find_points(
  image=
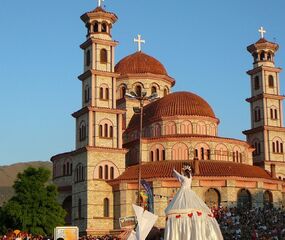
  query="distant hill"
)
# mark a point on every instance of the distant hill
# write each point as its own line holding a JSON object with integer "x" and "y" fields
{"x": 9, "y": 173}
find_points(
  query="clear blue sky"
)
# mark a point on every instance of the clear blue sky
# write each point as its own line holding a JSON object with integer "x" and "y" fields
{"x": 202, "y": 44}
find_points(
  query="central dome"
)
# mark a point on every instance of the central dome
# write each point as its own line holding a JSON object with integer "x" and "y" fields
{"x": 140, "y": 62}
{"x": 174, "y": 104}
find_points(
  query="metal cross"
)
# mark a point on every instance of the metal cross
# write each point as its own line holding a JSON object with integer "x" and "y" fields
{"x": 100, "y": 2}
{"x": 139, "y": 41}
{"x": 262, "y": 31}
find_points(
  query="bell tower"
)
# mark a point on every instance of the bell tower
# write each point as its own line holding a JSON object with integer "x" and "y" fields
{"x": 99, "y": 155}
{"x": 98, "y": 84}
{"x": 267, "y": 134}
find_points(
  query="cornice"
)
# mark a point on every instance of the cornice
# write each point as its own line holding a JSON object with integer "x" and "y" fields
{"x": 91, "y": 72}
{"x": 266, "y": 68}
{"x": 91, "y": 40}
{"x": 96, "y": 109}
{"x": 265, "y": 95}
{"x": 152, "y": 76}
{"x": 86, "y": 149}
{"x": 202, "y": 178}
{"x": 263, "y": 128}
{"x": 179, "y": 137}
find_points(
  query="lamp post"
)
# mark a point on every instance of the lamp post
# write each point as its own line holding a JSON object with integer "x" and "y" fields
{"x": 139, "y": 110}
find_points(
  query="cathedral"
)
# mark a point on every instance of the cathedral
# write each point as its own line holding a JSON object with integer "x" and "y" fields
{"x": 132, "y": 127}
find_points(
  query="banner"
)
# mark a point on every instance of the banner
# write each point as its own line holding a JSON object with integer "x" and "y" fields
{"x": 147, "y": 187}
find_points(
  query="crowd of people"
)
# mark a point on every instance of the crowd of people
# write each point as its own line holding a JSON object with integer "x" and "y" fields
{"x": 266, "y": 223}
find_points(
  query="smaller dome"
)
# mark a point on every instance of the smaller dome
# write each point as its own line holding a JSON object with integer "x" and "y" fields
{"x": 140, "y": 62}
{"x": 174, "y": 104}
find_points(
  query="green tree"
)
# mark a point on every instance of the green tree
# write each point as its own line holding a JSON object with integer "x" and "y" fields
{"x": 34, "y": 208}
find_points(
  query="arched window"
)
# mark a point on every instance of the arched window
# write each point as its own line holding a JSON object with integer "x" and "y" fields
{"x": 104, "y": 27}
{"x": 105, "y": 130}
{"x": 112, "y": 172}
{"x": 151, "y": 156}
{"x": 256, "y": 83}
{"x": 100, "y": 172}
{"x": 269, "y": 56}
{"x": 100, "y": 131}
{"x": 138, "y": 90}
{"x": 101, "y": 94}
{"x": 221, "y": 152}
{"x": 244, "y": 199}
{"x": 270, "y": 81}
{"x": 82, "y": 131}
{"x": 157, "y": 155}
{"x": 257, "y": 116}
{"x": 88, "y": 58}
{"x": 111, "y": 131}
{"x": 163, "y": 154}
{"x": 70, "y": 168}
{"x": 165, "y": 92}
{"x": 180, "y": 152}
{"x": 277, "y": 145}
{"x": 212, "y": 198}
{"x": 153, "y": 89}
{"x": 79, "y": 173}
{"x": 86, "y": 93}
{"x": 67, "y": 168}
{"x": 122, "y": 92}
{"x": 267, "y": 198}
{"x": 106, "y": 207}
{"x": 79, "y": 209}
{"x": 106, "y": 172}
{"x": 275, "y": 114}
{"x": 262, "y": 56}
{"x": 64, "y": 173}
{"x": 106, "y": 93}
{"x": 202, "y": 153}
{"x": 96, "y": 27}
{"x": 103, "y": 56}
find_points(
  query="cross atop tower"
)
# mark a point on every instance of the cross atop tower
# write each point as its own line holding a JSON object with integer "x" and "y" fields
{"x": 100, "y": 2}
{"x": 262, "y": 31}
{"x": 139, "y": 41}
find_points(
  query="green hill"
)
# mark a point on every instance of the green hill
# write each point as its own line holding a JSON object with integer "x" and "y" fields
{"x": 9, "y": 173}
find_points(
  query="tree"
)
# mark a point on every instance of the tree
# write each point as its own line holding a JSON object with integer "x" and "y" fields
{"x": 34, "y": 208}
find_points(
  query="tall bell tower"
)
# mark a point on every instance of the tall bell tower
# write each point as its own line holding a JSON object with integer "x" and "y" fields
{"x": 99, "y": 155}
{"x": 267, "y": 134}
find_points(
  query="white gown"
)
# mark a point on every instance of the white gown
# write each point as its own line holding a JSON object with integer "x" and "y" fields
{"x": 188, "y": 217}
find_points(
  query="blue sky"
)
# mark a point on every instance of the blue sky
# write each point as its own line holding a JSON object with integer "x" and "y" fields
{"x": 201, "y": 43}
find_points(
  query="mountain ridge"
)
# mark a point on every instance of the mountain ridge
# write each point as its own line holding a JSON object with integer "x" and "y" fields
{"x": 8, "y": 174}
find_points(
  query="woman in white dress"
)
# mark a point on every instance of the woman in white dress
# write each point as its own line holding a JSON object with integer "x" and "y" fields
{"x": 187, "y": 216}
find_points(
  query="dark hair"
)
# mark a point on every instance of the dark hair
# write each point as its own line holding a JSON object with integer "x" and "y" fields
{"x": 188, "y": 173}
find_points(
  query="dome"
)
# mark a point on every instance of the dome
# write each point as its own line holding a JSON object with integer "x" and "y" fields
{"x": 140, "y": 62}
{"x": 174, "y": 104}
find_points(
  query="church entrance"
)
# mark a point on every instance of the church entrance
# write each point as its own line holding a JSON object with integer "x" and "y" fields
{"x": 212, "y": 198}
{"x": 67, "y": 206}
{"x": 267, "y": 198}
{"x": 244, "y": 199}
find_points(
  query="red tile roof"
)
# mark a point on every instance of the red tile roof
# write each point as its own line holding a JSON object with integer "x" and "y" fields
{"x": 174, "y": 104}
{"x": 208, "y": 168}
{"x": 99, "y": 10}
{"x": 140, "y": 62}
{"x": 262, "y": 43}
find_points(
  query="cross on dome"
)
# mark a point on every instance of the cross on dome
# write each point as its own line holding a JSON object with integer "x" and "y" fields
{"x": 139, "y": 41}
{"x": 262, "y": 31}
{"x": 100, "y": 2}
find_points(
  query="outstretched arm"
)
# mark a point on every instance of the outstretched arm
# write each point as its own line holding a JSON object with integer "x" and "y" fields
{"x": 178, "y": 176}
